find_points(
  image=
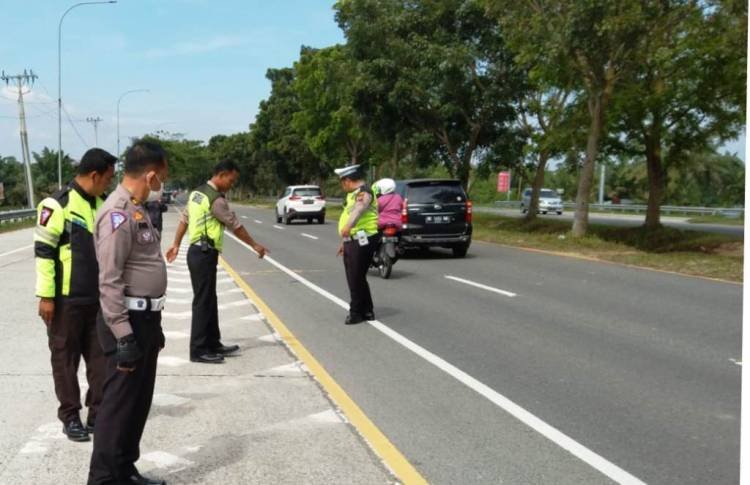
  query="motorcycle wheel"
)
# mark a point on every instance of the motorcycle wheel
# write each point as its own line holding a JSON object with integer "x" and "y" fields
{"x": 386, "y": 265}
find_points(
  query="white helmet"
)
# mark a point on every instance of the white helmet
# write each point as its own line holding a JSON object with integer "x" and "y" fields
{"x": 385, "y": 186}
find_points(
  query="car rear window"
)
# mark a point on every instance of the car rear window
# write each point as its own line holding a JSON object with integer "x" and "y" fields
{"x": 307, "y": 192}
{"x": 441, "y": 192}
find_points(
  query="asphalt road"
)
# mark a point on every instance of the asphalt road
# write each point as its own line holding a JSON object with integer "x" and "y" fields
{"x": 627, "y": 220}
{"x": 634, "y": 371}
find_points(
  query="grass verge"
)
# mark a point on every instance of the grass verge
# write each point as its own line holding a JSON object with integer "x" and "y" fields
{"x": 729, "y": 221}
{"x": 14, "y": 226}
{"x": 689, "y": 252}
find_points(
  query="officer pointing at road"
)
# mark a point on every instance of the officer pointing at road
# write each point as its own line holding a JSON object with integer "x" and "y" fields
{"x": 206, "y": 216}
{"x": 67, "y": 284}
{"x": 358, "y": 228}
{"x": 133, "y": 280}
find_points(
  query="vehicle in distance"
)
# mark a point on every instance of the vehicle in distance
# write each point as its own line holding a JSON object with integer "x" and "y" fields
{"x": 436, "y": 213}
{"x": 301, "y": 202}
{"x": 549, "y": 201}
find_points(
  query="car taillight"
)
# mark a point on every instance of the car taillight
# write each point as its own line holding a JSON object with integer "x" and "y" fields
{"x": 468, "y": 211}
{"x": 321, "y": 197}
{"x": 404, "y": 212}
{"x": 390, "y": 231}
{"x": 295, "y": 197}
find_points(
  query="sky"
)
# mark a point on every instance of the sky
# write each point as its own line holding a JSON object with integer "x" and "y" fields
{"x": 203, "y": 62}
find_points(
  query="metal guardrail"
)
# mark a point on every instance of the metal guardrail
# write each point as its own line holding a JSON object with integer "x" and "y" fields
{"x": 17, "y": 215}
{"x": 640, "y": 208}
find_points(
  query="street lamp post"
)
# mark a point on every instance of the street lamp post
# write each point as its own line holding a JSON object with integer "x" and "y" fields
{"x": 118, "y": 114}
{"x": 59, "y": 86}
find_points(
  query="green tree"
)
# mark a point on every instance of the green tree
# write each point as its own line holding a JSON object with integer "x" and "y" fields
{"x": 444, "y": 68}
{"x": 44, "y": 171}
{"x": 325, "y": 83}
{"x": 687, "y": 92}
{"x": 14, "y": 182}
{"x": 279, "y": 149}
{"x": 592, "y": 42}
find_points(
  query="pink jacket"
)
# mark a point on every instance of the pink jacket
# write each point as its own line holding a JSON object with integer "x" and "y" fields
{"x": 389, "y": 210}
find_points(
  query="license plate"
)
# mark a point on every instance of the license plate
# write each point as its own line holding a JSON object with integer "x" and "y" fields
{"x": 307, "y": 201}
{"x": 437, "y": 219}
{"x": 390, "y": 239}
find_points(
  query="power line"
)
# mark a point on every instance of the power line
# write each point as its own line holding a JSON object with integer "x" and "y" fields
{"x": 70, "y": 121}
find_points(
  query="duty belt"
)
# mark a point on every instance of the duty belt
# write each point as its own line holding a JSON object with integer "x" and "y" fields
{"x": 144, "y": 304}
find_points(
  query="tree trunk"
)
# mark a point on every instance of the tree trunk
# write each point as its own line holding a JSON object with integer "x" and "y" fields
{"x": 655, "y": 175}
{"x": 537, "y": 186}
{"x": 586, "y": 177}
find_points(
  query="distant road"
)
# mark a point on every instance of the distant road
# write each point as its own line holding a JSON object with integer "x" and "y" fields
{"x": 627, "y": 220}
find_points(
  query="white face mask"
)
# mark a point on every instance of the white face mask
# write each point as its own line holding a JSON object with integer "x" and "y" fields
{"x": 155, "y": 195}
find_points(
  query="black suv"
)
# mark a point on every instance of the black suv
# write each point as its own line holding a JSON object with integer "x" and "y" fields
{"x": 436, "y": 213}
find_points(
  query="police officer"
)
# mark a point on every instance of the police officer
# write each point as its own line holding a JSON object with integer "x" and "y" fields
{"x": 358, "y": 228}
{"x": 205, "y": 218}
{"x": 68, "y": 287}
{"x": 133, "y": 280}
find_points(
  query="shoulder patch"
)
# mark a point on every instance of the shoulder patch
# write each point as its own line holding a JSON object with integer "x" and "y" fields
{"x": 117, "y": 219}
{"x": 45, "y": 215}
{"x": 197, "y": 198}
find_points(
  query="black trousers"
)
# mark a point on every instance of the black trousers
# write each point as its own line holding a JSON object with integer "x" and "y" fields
{"x": 126, "y": 403}
{"x": 204, "y": 330}
{"x": 72, "y": 335}
{"x": 356, "y": 263}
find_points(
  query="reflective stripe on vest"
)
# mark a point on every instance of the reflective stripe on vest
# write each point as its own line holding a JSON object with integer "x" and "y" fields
{"x": 64, "y": 247}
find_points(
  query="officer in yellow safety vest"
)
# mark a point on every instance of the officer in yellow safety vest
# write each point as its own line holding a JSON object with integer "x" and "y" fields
{"x": 358, "y": 228}
{"x": 205, "y": 218}
{"x": 67, "y": 284}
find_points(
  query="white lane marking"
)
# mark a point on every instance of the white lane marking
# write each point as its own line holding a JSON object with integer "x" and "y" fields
{"x": 567, "y": 443}
{"x": 169, "y": 400}
{"x": 256, "y": 317}
{"x": 278, "y": 227}
{"x": 17, "y": 250}
{"x": 188, "y": 313}
{"x": 270, "y": 338}
{"x": 736, "y": 362}
{"x": 294, "y": 369}
{"x": 257, "y": 221}
{"x": 174, "y": 334}
{"x": 170, "y": 361}
{"x": 308, "y": 235}
{"x": 328, "y": 416}
{"x": 171, "y": 289}
{"x": 480, "y": 285}
{"x": 38, "y": 444}
{"x": 162, "y": 459}
{"x": 244, "y": 217}
{"x": 226, "y": 279}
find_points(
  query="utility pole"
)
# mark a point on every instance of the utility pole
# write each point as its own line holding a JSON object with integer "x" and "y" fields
{"x": 20, "y": 81}
{"x": 601, "y": 184}
{"x": 95, "y": 122}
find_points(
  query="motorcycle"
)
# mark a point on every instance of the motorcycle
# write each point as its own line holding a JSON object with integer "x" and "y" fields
{"x": 386, "y": 255}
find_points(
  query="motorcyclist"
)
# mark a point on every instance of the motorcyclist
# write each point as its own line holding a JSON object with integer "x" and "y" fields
{"x": 390, "y": 203}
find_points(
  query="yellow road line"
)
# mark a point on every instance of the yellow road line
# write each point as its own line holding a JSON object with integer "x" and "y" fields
{"x": 390, "y": 455}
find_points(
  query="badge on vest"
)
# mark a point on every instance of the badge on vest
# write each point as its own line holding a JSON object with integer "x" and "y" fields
{"x": 145, "y": 236}
{"x": 117, "y": 219}
{"x": 45, "y": 215}
{"x": 197, "y": 198}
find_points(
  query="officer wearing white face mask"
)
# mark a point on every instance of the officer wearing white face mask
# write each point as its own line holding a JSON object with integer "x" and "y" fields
{"x": 132, "y": 283}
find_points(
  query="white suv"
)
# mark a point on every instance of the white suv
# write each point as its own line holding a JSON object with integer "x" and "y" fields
{"x": 301, "y": 202}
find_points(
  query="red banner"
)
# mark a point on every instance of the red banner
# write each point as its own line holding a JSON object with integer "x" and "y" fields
{"x": 503, "y": 181}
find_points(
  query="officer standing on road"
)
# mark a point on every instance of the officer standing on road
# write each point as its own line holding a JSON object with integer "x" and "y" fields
{"x": 358, "y": 228}
{"x": 133, "y": 280}
{"x": 205, "y": 218}
{"x": 67, "y": 284}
